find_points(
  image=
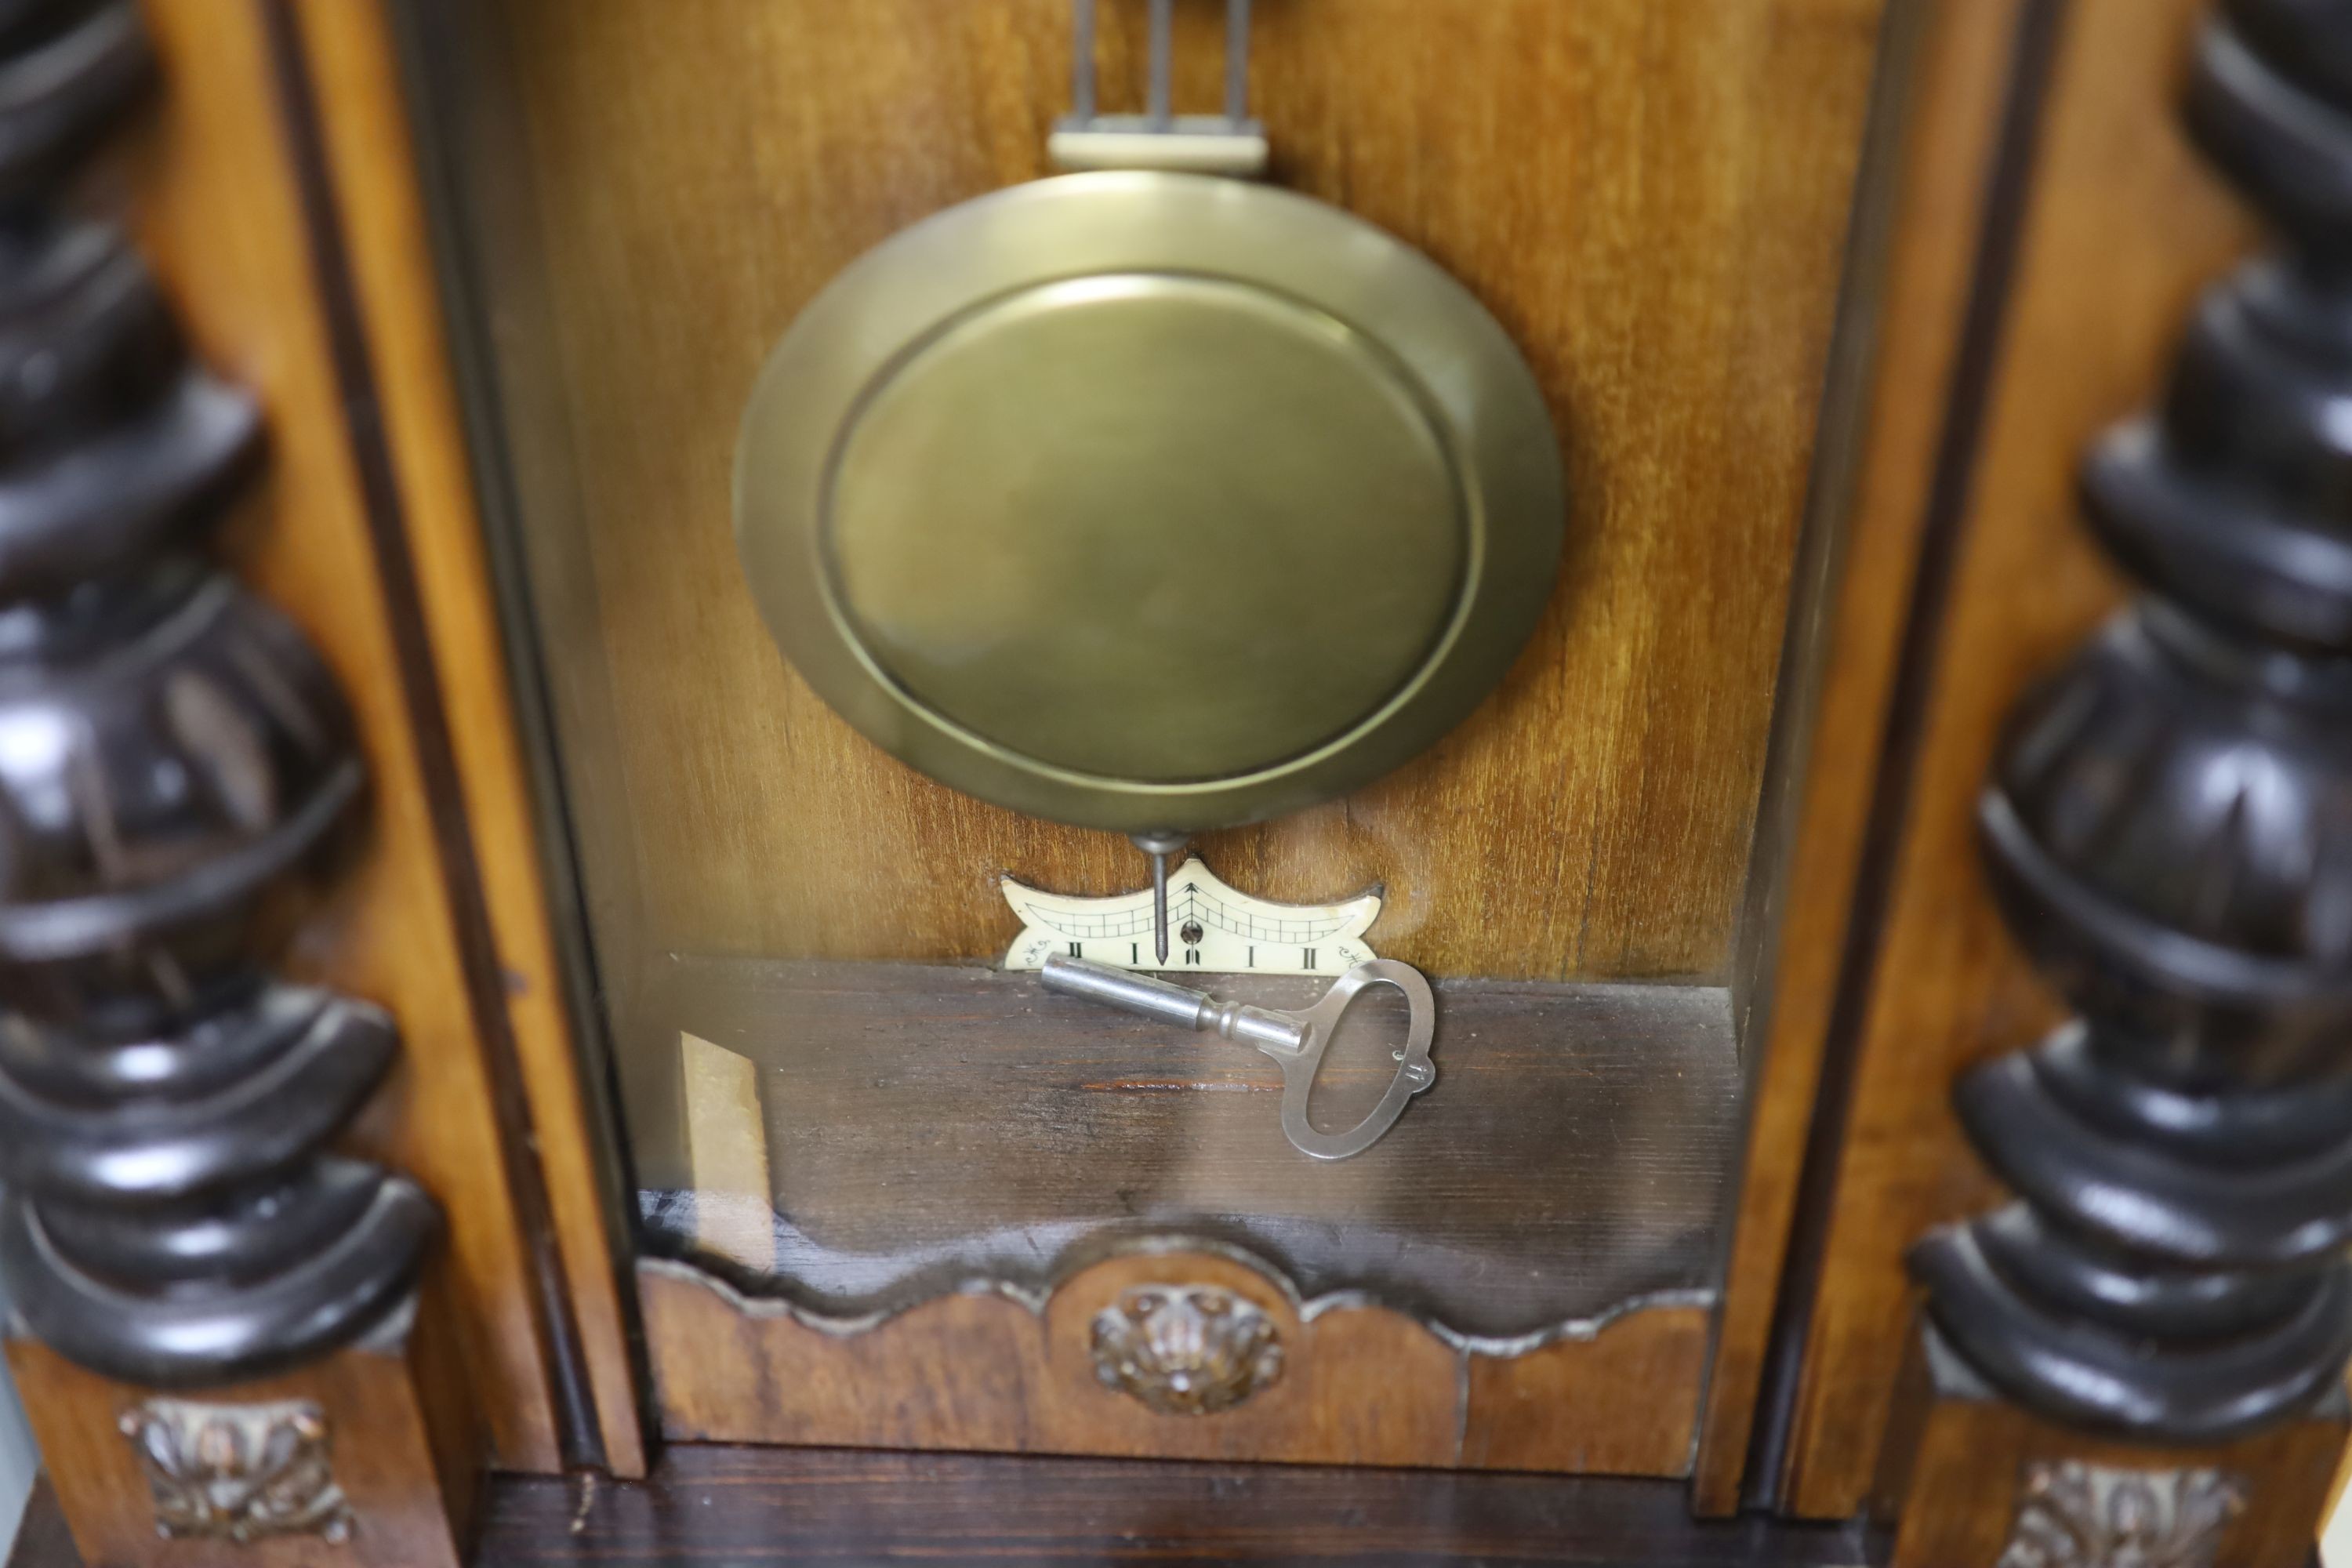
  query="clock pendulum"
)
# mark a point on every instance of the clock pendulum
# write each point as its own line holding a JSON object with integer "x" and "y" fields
{"x": 1150, "y": 498}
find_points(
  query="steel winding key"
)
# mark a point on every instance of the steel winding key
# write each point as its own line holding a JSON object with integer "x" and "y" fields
{"x": 1295, "y": 1040}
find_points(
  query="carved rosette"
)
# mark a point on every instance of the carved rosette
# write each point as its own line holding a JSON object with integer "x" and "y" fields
{"x": 172, "y": 758}
{"x": 2168, "y": 830}
{"x": 1185, "y": 1350}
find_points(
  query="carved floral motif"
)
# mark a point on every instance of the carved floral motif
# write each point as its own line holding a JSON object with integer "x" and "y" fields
{"x": 1185, "y": 1350}
{"x": 2091, "y": 1516}
{"x": 239, "y": 1472}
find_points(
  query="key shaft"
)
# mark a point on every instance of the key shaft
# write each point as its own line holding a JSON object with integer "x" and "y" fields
{"x": 1177, "y": 1004}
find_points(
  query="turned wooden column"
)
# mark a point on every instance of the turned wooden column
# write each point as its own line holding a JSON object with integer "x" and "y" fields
{"x": 2142, "y": 1359}
{"x": 208, "y": 1303}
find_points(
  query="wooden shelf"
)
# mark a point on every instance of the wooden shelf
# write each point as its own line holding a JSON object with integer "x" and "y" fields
{"x": 928, "y": 1125}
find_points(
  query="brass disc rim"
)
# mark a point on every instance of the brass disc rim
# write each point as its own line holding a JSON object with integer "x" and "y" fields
{"x": 1478, "y": 390}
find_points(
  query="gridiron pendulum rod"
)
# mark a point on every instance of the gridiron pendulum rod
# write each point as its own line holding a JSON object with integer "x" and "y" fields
{"x": 1082, "y": 56}
{"x": 1228, "y": 143}
{"x": 1237, "y": 58}
{"x": 1163, "y": 70}
{"x": 1086, "y": 102}
{"x": 1159, "y": 847}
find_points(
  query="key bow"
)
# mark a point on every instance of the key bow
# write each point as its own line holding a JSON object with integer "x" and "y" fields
{"x": 1296, "y": 1041}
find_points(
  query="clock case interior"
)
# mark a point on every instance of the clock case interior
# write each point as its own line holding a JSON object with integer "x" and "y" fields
{"x": 785, "y": 945}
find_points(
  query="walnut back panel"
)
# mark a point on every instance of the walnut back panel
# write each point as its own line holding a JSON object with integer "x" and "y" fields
{"x": 1652, "y": 197}
{"x": 1350, "y": 1382}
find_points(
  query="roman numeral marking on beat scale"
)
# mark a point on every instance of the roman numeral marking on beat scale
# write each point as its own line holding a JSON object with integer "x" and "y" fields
{"x": 1212, "y": 928}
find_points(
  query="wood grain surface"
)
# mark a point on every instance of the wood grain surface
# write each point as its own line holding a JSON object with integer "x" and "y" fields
{"x": 926, "y": 1125}
{"x": 214, "y": 196}
{"x": 1612, "y": 1405}
{"x": 766, "y": 1508}
{"x": 1361, "y": 1385}
{"x": 2124, "y": 228}
{"x": 365, "y": 123}
{"x": 1651, "y": 195}
{"x": 773, "y": 1506}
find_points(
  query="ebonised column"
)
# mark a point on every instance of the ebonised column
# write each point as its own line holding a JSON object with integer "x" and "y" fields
{"x": 2169, "y": 829}
{"x": 173, "y": 758}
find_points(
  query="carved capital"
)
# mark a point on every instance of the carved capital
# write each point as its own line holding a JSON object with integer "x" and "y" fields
{"x": 239, "y": 1472}
{"x": 2074, "y": 1515}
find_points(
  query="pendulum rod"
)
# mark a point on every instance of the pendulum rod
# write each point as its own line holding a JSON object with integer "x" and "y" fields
{"x": 1237, "y": 58}
{"x": 1226, "y": 143}
{"x": 1163, "y": 64}
{"x": 1083, "y": 106}
{"x": 1160, "y": 846}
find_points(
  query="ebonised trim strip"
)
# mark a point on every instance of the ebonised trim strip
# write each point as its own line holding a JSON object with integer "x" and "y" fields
{"x": 579, "y": 1435}
{"x": 2008, "y": 199}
